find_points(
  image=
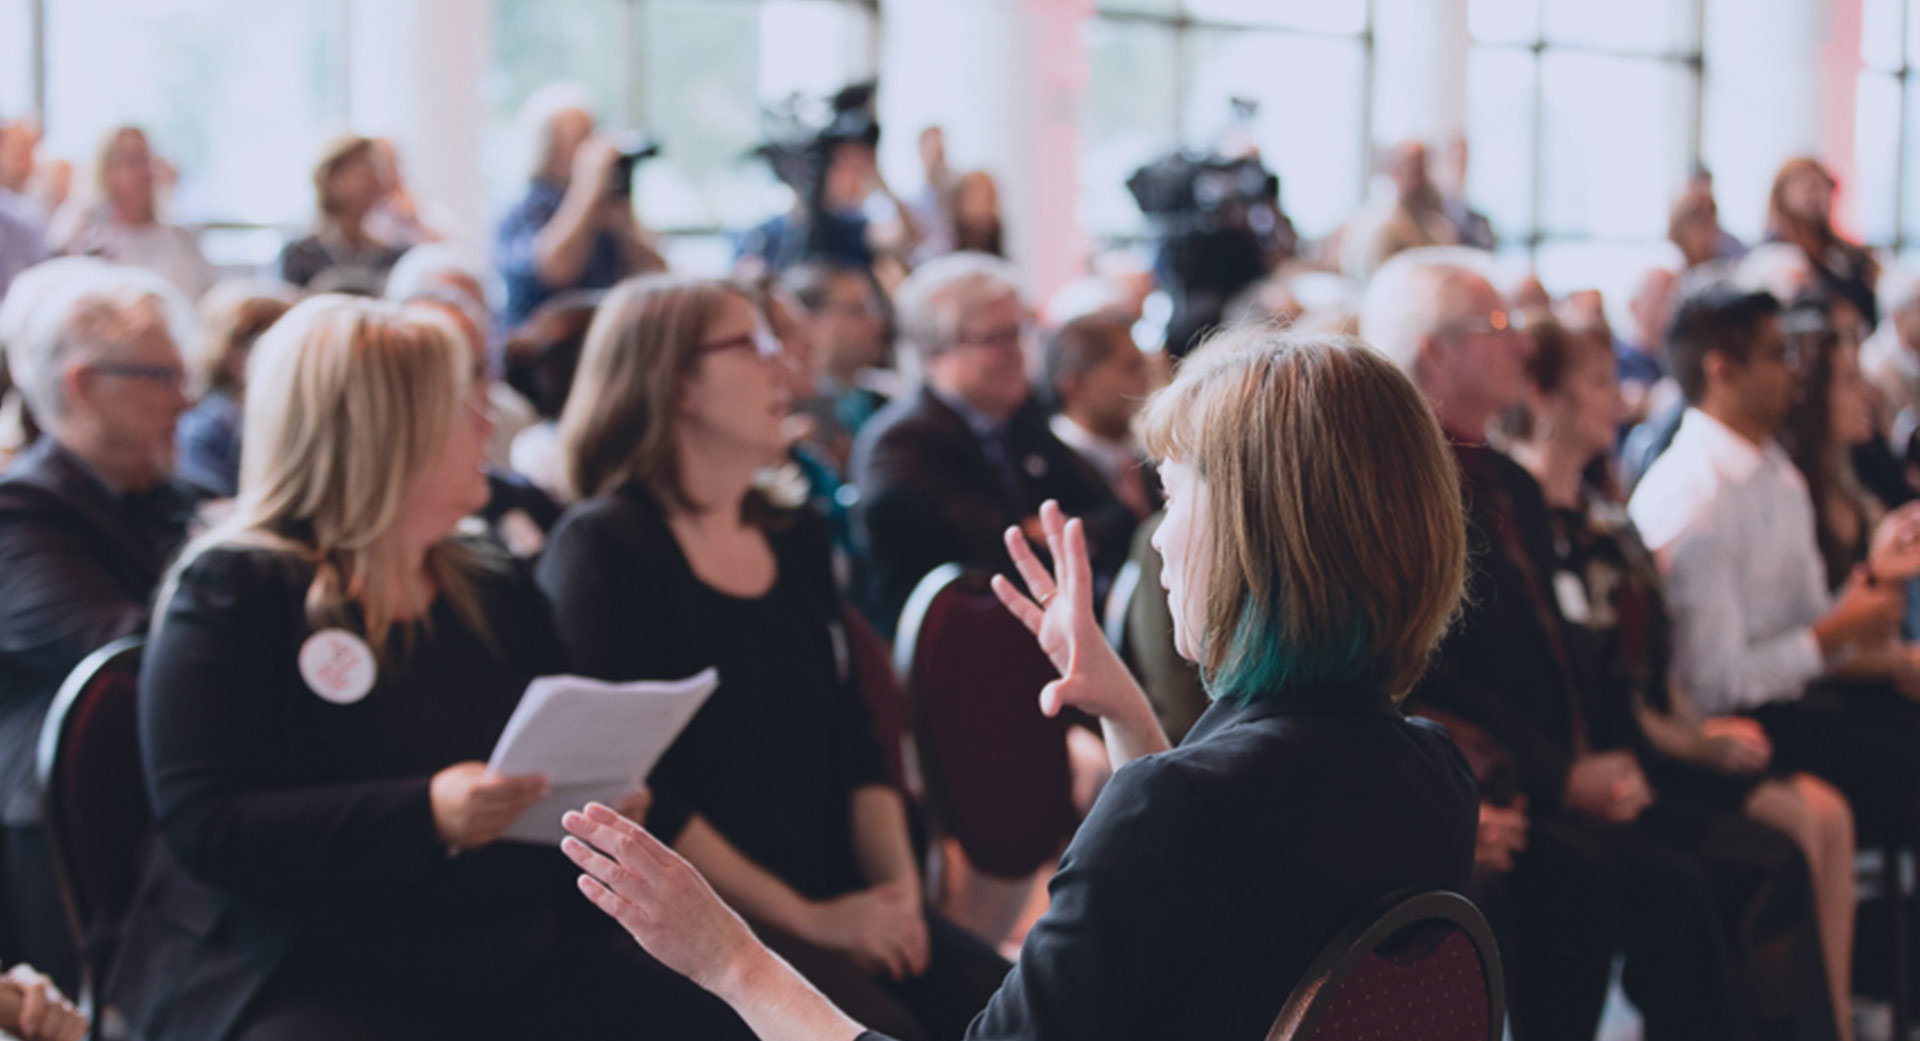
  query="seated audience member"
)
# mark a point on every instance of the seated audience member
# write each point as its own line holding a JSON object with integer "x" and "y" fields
{"x": 1761, "y": 639}
{"x": 125, "y": 225}
{"x": 677, "y": 559}
{"x": 342, "y": 255}
{"x": 943, "y": 471}
{"x": 18, "y": 430}
{"x": 396, "y": 218}
{"x": 232, "y": 316}
{"x": 1413, "y": 216}
{"x": 849, "y": 324}
{"x": 23, "y": 235}
{"x": 1890, "y": 359}
{"x": 1693, "y": 226}
{"x": 1471, "y": 227}
{"x": 575, "y": 228}
{"x": 1800, "y": 214}
{"x": 33, "y": 1009}
{"x": 1607, "y": 864}
{"x": 330, "y": 824}
{"x": 1609, "y": 590}
{"x": 1183, "y": 907}
{"x": 1640, "y": 353}
{"x": 88, "y": 520}
{"x": 833, "y": 227}
{"x": 1097, "y": 380}
{"x": 541, "y": 358}
{"x": 432, "y": 266}
{"x": 975, "y": 211}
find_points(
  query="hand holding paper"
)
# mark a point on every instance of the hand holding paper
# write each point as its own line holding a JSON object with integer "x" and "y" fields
{"x": 591, "y": 740}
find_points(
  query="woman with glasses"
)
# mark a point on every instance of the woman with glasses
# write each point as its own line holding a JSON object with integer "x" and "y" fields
{"x": 688, "y": 551}
{"x": 1316, "y": 549}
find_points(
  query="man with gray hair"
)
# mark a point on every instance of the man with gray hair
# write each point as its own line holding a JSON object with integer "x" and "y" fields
{"x": 1608, "y": 862}
{"x": 1890, "y": 359}
{"x": 89, "y": 517}
{"x": 942, "y": 472}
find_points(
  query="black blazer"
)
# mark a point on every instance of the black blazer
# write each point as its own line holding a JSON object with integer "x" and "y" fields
{"x": 929, "y": 496}
{"x": 78, "y": 567}
{"x": 291, "y": 827}
{"x": 1207, "y": 878}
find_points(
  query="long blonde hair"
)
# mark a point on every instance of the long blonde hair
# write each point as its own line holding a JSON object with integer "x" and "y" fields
{"x": 349, "y": 402}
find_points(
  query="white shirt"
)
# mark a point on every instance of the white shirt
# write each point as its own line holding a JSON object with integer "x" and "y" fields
{"x": 1734, "y": 526}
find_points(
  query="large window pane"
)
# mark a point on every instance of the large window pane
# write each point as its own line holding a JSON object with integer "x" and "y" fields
{"x": 1504, "y": 21}
{"x": 1651, "y": 26}
{"x": 1315, "y": 148}
{"x": 1611, "y": 267}
{"x": 1876, "y": 155}
{"x": 1881, "y": 39}
{"x": 1616, "y": 143}
{"x": 241, "y": 123}
{"x": 1159, "y": 7}
{"x": 16, "y": 58}
{"x": 1910, "y": 174}
{"x": 1308, "y": 15}
{"x": 701, "y": 73}
{"x": 1500, "y": 98}
{"x": 1130, "y": 117}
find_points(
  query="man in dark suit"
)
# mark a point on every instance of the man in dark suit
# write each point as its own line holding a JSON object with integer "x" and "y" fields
{"x": 944, "y": 471}
{"x": 88, "y": 520}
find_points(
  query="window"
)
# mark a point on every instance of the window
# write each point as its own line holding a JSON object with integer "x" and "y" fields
{"x": 235, "y": 94}
{"x": 1886, "y": 201}
{"x": 1582, "y": 125}
{"x": 693, "y": 73}
{"x": 17, "y": 44}
{"x": 1164, "y": 74}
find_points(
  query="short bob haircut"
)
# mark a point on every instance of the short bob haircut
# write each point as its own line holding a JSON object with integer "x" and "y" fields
{"x": 1338, "y": 537}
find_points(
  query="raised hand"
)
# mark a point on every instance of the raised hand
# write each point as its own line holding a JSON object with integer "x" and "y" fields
{"x": 1895, "y": 552}
{"x": 472, "y": 805}
{"x": 1059, "y": 613}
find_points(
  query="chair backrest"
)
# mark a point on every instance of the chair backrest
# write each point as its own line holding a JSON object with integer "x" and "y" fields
{"x": 873, "y": 669}
{"x": 1422, "y": 967}
{"x": 995, "y": 768}
{"x": 94, "y": 794}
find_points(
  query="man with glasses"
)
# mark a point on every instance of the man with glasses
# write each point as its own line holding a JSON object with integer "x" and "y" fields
{"x": 942, "y": 472}
{"x": 89, "y": 517}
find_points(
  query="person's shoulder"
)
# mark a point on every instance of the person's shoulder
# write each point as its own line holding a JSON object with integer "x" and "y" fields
{"x": 1677, "y": 495}
{"x": 623, "y": 520}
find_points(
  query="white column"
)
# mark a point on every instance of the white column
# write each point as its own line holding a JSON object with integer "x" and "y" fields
{"x": 416, "y": 73}
{"x": 1420, "y": 71}
{"x": 1005, "y": 79}
{"x": 1780, "y": 81}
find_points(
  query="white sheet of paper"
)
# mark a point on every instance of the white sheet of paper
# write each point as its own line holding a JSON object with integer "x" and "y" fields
{"x": 592, "y": 740}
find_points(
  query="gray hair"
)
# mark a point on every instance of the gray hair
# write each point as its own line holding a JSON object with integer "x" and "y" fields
{"x": 934, "y": 300}
{"x": 535, "y": 120}
{"x": 418, "y": 268}
{"x": 80, "y": 311}
{"x": 1413, "y": 295}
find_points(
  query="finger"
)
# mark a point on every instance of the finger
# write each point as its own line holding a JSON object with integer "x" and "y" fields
{"x": 604, "y": 869}
{"x": 1051, "y": 700}
{"x": 631, "y": 838}
{"x": 1032, "y": 572}
{"x": 1028, "y": 612}
{"x": 1053, "y": 522}
{"x": 613, "y": 904}
{"x": 33, "y": 1006}
{"x": 1078, "y": 576}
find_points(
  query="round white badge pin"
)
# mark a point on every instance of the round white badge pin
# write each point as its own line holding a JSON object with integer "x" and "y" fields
{"x": 338, "y": 666}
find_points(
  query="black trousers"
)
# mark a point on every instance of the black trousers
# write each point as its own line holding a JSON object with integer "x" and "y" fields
{"x": 1865, "y": 740}
{"x": 33, "y": 927}
{"x": 1712, "y": 913}
{"x": 935, "y": 1006}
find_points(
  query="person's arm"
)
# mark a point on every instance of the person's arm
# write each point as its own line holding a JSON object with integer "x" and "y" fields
{"x": 563, "y": 245}
{"x": 1712, "y": 657}
{"x": 639, "y": 251}
{"x": 1061, "y": 616}
{"x": 58, "y": 600}
{"x": 910, "y": 513}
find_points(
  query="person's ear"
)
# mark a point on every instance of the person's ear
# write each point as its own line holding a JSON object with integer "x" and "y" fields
{"x": 76, "y": 383}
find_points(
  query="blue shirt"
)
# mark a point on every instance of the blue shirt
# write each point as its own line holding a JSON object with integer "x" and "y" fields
{"x": 23, "y": 242}
{"x": 782, "y": 242}
{"x": 513, "y": 248}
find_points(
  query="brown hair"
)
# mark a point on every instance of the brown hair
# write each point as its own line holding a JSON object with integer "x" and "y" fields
{"x": 644, "y": 344}
{"x": 233, "y": 315}
{"x": 1339, "y": 547}
{"x": 338, "y": 152}
{"x": 1556, "y": 347}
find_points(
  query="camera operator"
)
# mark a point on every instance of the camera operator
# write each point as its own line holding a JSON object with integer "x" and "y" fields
{"x": 833, "y": 172}
{"x": 575, "y": 228}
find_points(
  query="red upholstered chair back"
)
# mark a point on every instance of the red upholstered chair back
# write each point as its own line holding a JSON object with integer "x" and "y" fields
{"x": 1416, "y": 968}
{"x": 873, "y": 666}
{"x": 996, "y": 769}
{"x": 95, "y": 796}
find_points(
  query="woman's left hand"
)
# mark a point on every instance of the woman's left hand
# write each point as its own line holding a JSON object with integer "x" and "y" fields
{"x": 659, "y": 898}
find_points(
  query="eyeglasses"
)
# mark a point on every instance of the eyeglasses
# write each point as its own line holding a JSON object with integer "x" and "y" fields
{"x": 171, "y": 377}
{"x": 1003, "y": 338}
{"x": 761, "y": 342}
{"x": 1497, "y": 323}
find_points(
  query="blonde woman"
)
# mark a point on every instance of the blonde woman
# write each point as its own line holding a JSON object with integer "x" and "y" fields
{"x": 124, "y": 224}
{"x": 681, "y": 556}
{"x": 328, "y": 670}
{"x": 1315, "y": 551}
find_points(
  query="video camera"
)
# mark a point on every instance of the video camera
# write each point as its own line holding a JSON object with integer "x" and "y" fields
{"x": 802, "y": 133}
{"x": 1189, "y": 190}
{"x": 636, "y": 146}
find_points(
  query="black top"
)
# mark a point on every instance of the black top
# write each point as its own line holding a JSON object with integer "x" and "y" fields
{"x": 325, "y": 263}
{"x": 1207, "y": 879}
{"x": 930, "y": 495}
{"x": 78, "y": 566}
{"x": 773, "y": 758}
{"x": 290, "y": 825}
